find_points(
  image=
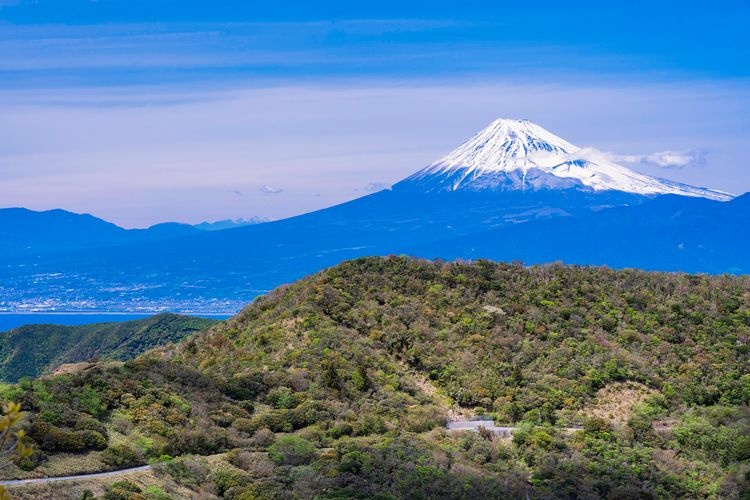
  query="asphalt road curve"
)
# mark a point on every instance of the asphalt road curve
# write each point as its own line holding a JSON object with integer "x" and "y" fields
{"x": 81, "y": 477}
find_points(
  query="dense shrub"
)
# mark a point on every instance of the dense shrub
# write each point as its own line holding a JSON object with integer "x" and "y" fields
{"x": 121, "y": 456}
{"x": 245, "y": 386}
{"x": 710, "y": 436}
{"x": 225, "y": 479}
{"x": 281, "y": 397}
{"x": 424, "y": 418}
{"x": 51, "y": 438}
{"x": 188, "y": 471}
{"x": 91, "y": 425}
{"x": 245, "y": 425}
{"x": 263, "y": 437}
{"x": 291, "y": 450}
{"x": 122, "y": 490}
{"x": 199, "y": 441}
{"x": 596, "y": 425}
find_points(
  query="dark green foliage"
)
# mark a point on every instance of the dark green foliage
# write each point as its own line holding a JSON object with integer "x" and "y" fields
{"x": 91, "y": 424}
{"x": 225, "y": 480}
{"x": 283, "y": 397}
{"x": 36, "y": 458}
{"x": 121, "y": 456}
{"x": 51, "y": 438}
{"x": 360, "y": 379}
{"x": 29, "y": 351}
{"x": 199, "y": 441}
{"x": 596, "y": 426}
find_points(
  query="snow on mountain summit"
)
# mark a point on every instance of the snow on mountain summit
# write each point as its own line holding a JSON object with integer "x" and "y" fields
{"x": 506, "y": 145}
{"x": 518, "y": 154}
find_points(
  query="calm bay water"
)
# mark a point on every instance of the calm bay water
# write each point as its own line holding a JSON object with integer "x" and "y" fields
{"x": 12, "y": 320}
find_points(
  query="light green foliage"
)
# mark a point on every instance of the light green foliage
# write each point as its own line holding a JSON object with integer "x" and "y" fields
{"x": 291, "y": 450}
{"x": 718, "y": 433}
{"x": 155, "y": 493}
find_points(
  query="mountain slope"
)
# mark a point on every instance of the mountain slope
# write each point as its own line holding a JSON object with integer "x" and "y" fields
{"x": 519, "y": 154}
{"x": 31, "y": 350}
{"x": 670, "y": 233}
{"x": 336, "y": 386}
{"x": 25, "y": 231}
{"x": 29, "y": 233}
{"x": 221, "y": 270}
{"x": 237, "y": 264}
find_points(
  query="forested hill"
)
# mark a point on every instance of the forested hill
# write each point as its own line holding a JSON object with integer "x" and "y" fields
{"x": 482, "y": 329}
{"x": 31, "y": 350}
{"x": 340, "y": 385}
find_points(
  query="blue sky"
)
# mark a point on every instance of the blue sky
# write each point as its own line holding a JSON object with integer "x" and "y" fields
{"x": 144, "y": 111}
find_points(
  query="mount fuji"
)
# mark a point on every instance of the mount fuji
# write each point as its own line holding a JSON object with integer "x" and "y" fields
{"x": 521, "y": 155}
{"x": 514, "y": 191}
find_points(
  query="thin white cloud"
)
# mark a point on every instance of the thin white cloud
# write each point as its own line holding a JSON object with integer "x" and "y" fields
{"x": 372, "y": 187}
{"x": 661, "y": 159}
{"x": 676, "y": 159}
{"x": 266, "y": 189}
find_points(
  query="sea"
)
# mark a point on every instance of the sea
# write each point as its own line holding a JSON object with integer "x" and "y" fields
{"x": 12, "y": 320}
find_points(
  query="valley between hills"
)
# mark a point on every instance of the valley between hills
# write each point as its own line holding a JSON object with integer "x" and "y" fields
{"x": 340, "y": 385}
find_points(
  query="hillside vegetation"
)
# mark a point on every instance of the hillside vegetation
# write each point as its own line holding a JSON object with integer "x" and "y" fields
{"x": 31, "y": 350}
{"x": 339, "y": 386}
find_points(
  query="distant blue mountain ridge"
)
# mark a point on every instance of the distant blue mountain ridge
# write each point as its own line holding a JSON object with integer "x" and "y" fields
{"x": 29, "y": 232}
{"x": 483, "y": 205}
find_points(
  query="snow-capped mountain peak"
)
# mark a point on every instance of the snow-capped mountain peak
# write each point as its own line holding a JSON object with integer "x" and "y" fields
{"x": 519, "y": 154}
{"x": 507, "y": 145}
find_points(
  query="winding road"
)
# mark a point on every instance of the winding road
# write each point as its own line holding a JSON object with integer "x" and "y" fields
{"x": 475, "y": 425}
{"x": 81, "y": 477}
{"x": 456, "y": 425}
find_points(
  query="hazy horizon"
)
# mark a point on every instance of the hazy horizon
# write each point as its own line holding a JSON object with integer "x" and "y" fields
{"x": 139, "y": 112}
